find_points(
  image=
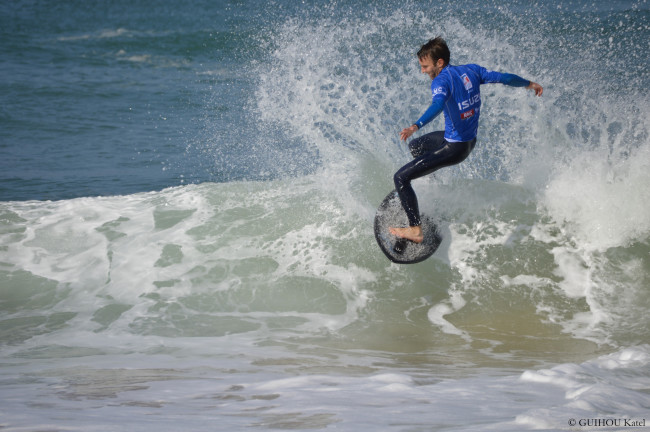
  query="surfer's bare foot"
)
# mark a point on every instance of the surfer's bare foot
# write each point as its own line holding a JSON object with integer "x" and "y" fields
{"x": 413, "y": 233}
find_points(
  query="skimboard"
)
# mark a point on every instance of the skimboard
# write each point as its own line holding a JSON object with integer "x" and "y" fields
{"x": 391, "y": 214}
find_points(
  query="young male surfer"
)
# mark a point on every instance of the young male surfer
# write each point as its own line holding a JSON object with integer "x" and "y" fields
{"x": 456, "y": 92}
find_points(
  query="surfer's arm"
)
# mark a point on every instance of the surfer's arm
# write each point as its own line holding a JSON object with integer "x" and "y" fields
{"x": 407, "y": 132}
{"x": 511, "y": 80}
{"x": 432, "y": 112}
{"x": 517, "y": 81}
{"x": 538, "y": 89}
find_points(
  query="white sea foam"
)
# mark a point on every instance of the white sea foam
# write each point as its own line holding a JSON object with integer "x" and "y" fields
{"x": 604, "y": 203}
{"x": 613, "y": 386}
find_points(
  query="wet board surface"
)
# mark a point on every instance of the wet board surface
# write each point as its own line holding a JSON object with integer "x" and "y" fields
{"x": 391, "y": 214}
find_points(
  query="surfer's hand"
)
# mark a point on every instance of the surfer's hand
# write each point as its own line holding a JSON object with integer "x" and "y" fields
{"x": 536, "y": 88}
{"x": 407, "y": 132}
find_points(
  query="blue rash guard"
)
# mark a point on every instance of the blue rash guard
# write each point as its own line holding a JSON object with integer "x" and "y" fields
{"x": 456, "y": 92}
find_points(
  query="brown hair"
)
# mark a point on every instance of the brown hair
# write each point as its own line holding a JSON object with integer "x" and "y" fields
{"x": 435, "y": 49}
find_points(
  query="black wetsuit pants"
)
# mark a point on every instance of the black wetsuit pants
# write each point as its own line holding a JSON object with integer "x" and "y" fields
{"x": 431, "y": 152}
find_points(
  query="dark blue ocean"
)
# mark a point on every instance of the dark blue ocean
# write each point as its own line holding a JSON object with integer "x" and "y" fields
{"x": 187, "y": 191}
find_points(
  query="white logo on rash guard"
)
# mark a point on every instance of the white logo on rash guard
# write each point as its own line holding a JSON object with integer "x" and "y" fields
{"x": 439, "y": 90}
{"x": 469, "y": 102}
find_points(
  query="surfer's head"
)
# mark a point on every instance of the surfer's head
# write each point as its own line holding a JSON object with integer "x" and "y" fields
{"x": 434, "y": 56}
{"x": 435, "y": 49}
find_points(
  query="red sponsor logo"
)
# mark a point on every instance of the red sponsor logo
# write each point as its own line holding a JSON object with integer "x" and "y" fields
{"x": 467, "y": 114}
{"x": 466, "y": 82}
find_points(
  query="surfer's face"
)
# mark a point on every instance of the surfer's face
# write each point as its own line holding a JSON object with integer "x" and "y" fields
{"x": 430, "y": 67}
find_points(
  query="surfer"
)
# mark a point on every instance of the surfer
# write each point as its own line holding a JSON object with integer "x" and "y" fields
{"x": 455, "y": 92}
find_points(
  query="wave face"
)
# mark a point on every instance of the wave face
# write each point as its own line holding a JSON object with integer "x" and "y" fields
{"x": 256, "y": 295}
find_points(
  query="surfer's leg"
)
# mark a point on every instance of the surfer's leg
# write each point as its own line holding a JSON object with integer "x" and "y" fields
{"x": 418, "y": 167}
{"x": 436, "y": 156}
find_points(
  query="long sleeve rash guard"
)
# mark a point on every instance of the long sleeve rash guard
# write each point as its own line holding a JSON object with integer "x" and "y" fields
{"x": 456, "y": 92}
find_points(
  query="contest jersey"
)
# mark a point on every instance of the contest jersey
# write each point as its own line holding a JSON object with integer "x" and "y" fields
{"x": 456, "y": 92}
